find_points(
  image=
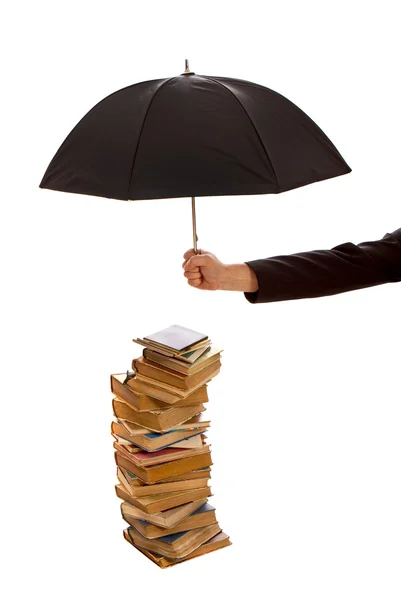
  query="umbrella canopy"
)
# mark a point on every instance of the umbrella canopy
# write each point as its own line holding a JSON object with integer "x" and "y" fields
{"x": 192, "y": 135}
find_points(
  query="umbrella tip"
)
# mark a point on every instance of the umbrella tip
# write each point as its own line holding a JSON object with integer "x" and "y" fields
{"x": 187, "y": 69}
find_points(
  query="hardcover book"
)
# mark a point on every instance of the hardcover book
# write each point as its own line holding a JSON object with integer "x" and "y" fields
{"x": 166, "y": 375}
{"x": 176, "y": 545}
{"x": 221, "y": 540}
{"x": 156, "y": 473}
{"x": 205, "y": 515}
{"x": 197, "y": 473}
{"x": 158, "y": 420}
{"x": 157, "y": 441}
{"x": 161, "y": 451}
{"x": 143, "y": 402}
{"x": 139, "y": 491}
{"x": 167, "y": 518}
{"x": 176, "y": 337}
{"x": 157, "y": 503}
{"x": 165, "y": 392}
{"x": 184, "y": 363}
{"x": 142, "y": 458}
{"x": 196, "y": 441}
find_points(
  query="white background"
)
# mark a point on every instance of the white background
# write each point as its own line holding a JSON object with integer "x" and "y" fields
{"x": 306, "y": 410}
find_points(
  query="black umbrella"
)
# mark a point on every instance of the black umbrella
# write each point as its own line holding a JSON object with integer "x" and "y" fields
{"x": 192, "y": 135}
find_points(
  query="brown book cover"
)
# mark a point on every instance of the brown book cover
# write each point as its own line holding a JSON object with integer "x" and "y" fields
{"x": 160, "y": 420}
{"x": 221, "y": 540}
{"x": 157, "y": 503}
{"x": 142, "y": 402}
{"x": 205, "y": 515}
{"x": 139, "y": 491}
{"x": 165, "y": 375}
{"x": 166, "y": 518}
{"x": 164, "y": 391}
{"x": 157, "y": 473}
{"x": 210, "y": 356}
{"x": 125, "y": 464}
{"x": 177, "y": 545}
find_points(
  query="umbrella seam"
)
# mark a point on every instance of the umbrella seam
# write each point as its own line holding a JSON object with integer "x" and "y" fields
{"x": 250, "y": 120}
{"x": 142, "y": 126}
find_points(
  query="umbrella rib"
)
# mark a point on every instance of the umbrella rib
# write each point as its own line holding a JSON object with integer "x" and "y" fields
{"x": 250, "y": 120}
{"x": 142, "y": 126}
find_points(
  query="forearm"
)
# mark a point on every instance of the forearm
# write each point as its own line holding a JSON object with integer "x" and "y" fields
{"x": 326, "y": 272}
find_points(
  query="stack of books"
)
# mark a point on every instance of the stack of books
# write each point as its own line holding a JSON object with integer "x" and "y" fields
{"x": 161, "y": 450}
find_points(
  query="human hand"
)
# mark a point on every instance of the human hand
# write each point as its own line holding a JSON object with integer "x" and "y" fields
{"x": 203, "y": 270}
{"x": 206, "y": 272}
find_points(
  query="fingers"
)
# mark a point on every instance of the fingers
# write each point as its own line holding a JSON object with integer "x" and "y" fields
{"x": 193, "y": 262}
{"x": 198, "y": 260}
{"x": 201, "y": 284}
{"x": 190, "y": 269}
{"x": 191, "y": 252}
{"x": 192, "y": 275}
{"x": 188, "y": 254}
{"x": 195, "y": 282}
{"x": 184, "y": 264}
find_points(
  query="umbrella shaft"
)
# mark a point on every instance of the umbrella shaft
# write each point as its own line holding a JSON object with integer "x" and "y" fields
{"x": 195, "y": 237}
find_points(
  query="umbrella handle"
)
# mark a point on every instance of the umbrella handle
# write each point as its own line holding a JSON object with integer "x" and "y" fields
{"x": 195, "y": 237}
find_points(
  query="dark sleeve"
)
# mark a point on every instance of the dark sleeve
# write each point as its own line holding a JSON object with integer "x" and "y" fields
{"x": 326, "y": 272}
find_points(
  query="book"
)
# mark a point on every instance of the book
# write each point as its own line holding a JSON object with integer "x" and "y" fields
{"x": 142, "y": 458}
{"x": 193, "y": 442}
{"x": 187, "y": 355}
{"x": 142, "y": 402}
{"x": 157, "y": 503}
{"x": 158, "y": 420}
{"x": 205, "y": 515}
{"x": 221, "y": 540}
{"x": 164, "y": 391}
{"x": 156, "y": 473}
{"x": 161, "y": 451}
{"x": 184, "y": 366}
{"x": 166, "y": 375}
{"x": 167, "y": 518}
{"x": 176, "y": 545}
{"x": 197, "y": 421}
{"x": 190, "y": 356}
{"x": 157, "y": 441}
{"x": 175, "y": 338}
{"x": 197, "y": 473}
{"x": 129, "y": 482}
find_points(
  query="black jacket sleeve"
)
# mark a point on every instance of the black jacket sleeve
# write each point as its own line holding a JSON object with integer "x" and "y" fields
{"x": 326, "y": 272}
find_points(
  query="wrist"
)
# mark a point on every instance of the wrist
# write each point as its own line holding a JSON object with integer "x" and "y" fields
{"x": 238, "y": 278}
